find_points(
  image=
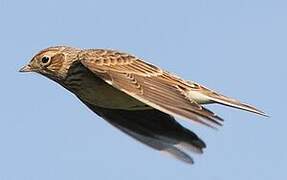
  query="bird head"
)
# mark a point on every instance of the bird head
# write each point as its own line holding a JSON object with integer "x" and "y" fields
{"x": 52, "y": 62}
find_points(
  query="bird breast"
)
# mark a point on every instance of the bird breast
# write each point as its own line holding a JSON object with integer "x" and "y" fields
{"x": 95, "y": 91}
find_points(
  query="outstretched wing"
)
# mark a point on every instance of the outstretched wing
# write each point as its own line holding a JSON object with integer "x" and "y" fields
{"x": 147, "y": 83}
{"x": 154, "y": 128}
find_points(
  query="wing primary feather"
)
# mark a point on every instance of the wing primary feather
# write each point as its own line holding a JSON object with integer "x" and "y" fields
{"x": 154, "y": 129}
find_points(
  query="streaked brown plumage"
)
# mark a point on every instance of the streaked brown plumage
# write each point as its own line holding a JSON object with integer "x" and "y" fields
{"x": 138, "y": 98}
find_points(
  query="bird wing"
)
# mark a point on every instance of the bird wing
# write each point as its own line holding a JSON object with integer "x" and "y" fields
{"x": 148, "y": 84}
{"x": 155, "y": 129}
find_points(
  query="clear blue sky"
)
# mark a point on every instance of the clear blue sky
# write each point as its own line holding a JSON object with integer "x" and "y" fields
{"x": 236, "y": 47}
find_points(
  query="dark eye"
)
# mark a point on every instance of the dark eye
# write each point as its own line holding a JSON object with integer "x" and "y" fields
{"x": 45, "y": 60}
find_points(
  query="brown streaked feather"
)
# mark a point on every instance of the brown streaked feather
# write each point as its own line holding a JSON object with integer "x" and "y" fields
{"x": 148, "y": 84}
{"x": 168, "y": 98}
{"x": 57, "y": 62}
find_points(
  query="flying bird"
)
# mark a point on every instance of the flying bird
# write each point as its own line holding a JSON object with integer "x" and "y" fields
{"x": 135, "y": 96}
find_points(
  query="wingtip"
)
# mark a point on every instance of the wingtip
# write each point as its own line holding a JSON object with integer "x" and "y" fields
{"x": 263, "y": 114}
{"x": 258, "y": 112}
{"x": 252, "y": 109}
{"x": 178, "y": 154}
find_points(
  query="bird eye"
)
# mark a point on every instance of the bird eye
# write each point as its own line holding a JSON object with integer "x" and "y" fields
{"x": 45, "y": 60}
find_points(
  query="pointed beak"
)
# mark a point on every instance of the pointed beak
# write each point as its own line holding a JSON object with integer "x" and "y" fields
{"x": 26, "y": 68}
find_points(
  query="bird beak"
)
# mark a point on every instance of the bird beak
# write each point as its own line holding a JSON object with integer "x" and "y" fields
{"x": 26, "y": 68}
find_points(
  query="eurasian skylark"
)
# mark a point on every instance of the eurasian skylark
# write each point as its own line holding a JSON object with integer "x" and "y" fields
{"x": 138, "y": 98}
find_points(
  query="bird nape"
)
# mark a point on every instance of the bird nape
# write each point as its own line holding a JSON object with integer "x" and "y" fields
{"x": 138, "y": 98}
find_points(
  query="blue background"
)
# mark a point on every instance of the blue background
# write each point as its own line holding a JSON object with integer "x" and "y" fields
{"x": 235, "y": 47}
